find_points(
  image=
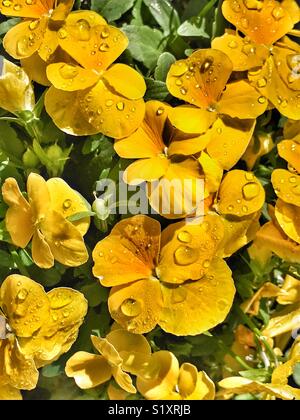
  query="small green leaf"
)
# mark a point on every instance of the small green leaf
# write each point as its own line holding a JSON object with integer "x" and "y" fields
{"x": 112, "y": 10}
{"x": 145, "y": 44}
{"x": 296, "y": 374}
{"x": 164, "y": 63}
{"x": 195, "y": 27}
{"x": 156, "y": 90}
{"x": 95, "y": 294}
{"x": 8, "y": 24}
{"x": 260, "y": 375}
{"x": 164, "y": 14}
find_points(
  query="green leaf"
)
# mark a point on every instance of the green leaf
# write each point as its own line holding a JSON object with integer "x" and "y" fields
{"x": 195, "y": 27}
{"x": 95, "y": 294}
{"x": 7, "y": 25}
{"x": 260, "y": 375}
{"x": 164, "y": 14}
{"x": 156, "y": 90}
{"x": 92, "y": 143}
{"x": 164, "y": 63}
{"x": 6, "y": 259}
{"x": 145, "y": 44}
{"x": 10, "y": 143}
{"x": 112, "y": 10}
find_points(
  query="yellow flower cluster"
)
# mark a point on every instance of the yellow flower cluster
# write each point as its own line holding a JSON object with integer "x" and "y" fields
{"x": 176, "y": 278}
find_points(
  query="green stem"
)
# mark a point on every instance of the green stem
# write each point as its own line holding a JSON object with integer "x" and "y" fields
{"x": 207, "y": 8}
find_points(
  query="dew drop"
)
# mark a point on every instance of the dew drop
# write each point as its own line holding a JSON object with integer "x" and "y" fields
{"x": 160, "y": 111}
{"x": 222, "y": 304}
{"x": 84, "y": 30}
{"x": 262, "y": 82}
{"x": 105, "y": 34}
{"x": 185, "y": 255}
{"x": 22, "y": 295}
{"x": 184, "y": 237}
{"x": 183, "y": 91}
{"x": 67, "y": 204}
{"x": 120, "y": 106}
{"x": 178, "y": 295}
{"x": 278, "y": 13}
{"x": 104, "y": 47}
{"x": 232, "y": 44}
{"x": 293, "y": 179}
{"x": 34, "y": 25}
{"x": 179, "y": 69}
{"x": 62, "y": 33}
{"x": 206, "y": 65}
{"x": 131, "y": 307}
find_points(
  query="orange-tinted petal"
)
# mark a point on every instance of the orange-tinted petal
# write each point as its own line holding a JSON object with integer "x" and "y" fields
{"x": 289, "y": 150}
{"x": 26, "y": 9}
{"x": 288, "y": 217}
{"x": 200, "y": 79}
{"x": 287, "y": 186}
{"x": 129, "y": 253}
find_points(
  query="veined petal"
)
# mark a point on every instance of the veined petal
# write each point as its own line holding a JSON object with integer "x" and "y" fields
{"x": 241, "y": 194}
{"x": 68, "y": 202}
{"x": 18, "y": 296}
{"x": 129, "y": 253}
{"x": 88, "y": 370}
{"x": 228, "y": 139}
{"x": 49, "y": 45}
{"x": 93, "y": 47}
{"x": 200, "y": 79}
{"x": 25, "y": 38}
{"x": 110, "y": 113}
{"x": 196, "y": 307}
{"x": 187, "y": 250}
{"x": 146, "y": 170}
{"x": 19, "y": 217}
{"x": 123, "y": 380}
{"x": 263, "y": 22}
{"x": 71, "y": 77}
{"x": 133, "y": 88}
{"x": 137, "y": 306}
{"x": 41, "y": 252}
{"x": 241, "y": 100}
{"x": 243, "y": 53}
{"x": 38, "y": 194}
{"x": 22, "y": 8}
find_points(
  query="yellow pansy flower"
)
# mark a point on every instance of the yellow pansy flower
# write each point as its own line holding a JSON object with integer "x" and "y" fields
{"x": 36, "y": 328}
{"x": 90, "y": 95}
{"x": 230, "y": 109}
{"x": 273, "y": 63}
{"x": 161, "y": 140}
{"x": 43, "y": 218}
{"x": 172, "y": 279}
{"x": 16, "y": 91}
{"x": 120, "y": 352}
{"x": 163, "y": 379}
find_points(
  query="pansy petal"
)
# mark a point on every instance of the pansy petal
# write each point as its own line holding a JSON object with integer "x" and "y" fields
{"x": 189, "y": 146}
{"x": 135, "y": 86}
{"x": 92, "y": 18}
{"x": 88, "y": 370}
{"x": 146, "y": 170}
{"x": 289, "y": 150}
{"x": 26, "y": 9}
{"x": 41, "y": 253}
{"x": 287, "y": 63}
{"x": 191, "y": 120}
{"x": 94, "y": 47}
{"x": 71, "y": 77}
{"x": 271, "y": 85}
{"x": 263, "y": 22}
{"x": 290, "y": 291}
{"x": 129, "y": 253}
{"x": 196, "y": 307}
{"x": 158, "y": 381}
{"x": 241, "y": 194}
{"x": 288, "y": 217}
{"x": 228, "y": 139}
{"x": 188, "y": 252}
{"x": 18, "y": 215}
{"x": 291, "y": 129}
{"x": 287, "y": 186}
{"x": 123, "y": 380}
{"x": 7, "y": 392}
{"x": 68, "y": 202}
{"x": 38, "y": 194}
{"x": 111, "y": 113}
{"x": 16, "y": 91}
{"x": 19, "y": 296}
{"x": 35, "y": 67}
{"x": 243, "y": 53}
{"x": 213, "y": 172}
{"x": 116, "y": 393}
{"x": 25, "y": 38}
{"x": 65, "y": 241}
{"x": 65, "y": 110}
{"x": 286, "y": 321}
{"x": 241, "y": 100}
{"x": 137, "y": 306}
{"x": 200, "y": 79}
{"x": 62, "y": 10}
{"x": 49, "y": 46}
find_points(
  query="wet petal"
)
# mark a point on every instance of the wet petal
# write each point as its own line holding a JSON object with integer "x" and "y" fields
{"x": 93, "y": 47}
{"x": 25, "y": 304}
{"x": 129, "y": 253}
{"x": 111, "y": 113}
{"x": 68, "y": 202}
{"x": 228, "y": 139}
{"x": 25, "y": 9}
{"x": 71, "y": 77}
{"x": 213, "y": 172}
{"x": 241, "y": 100}
{"x": 241, "y": 194}
{"x": 16, "y": 91}
{"x": 136, "y": 306}
{"x": 191, "y": 120}
{"x": 49, "y": 46}
{"x": 187, "y": 250}
{"x": 196, "y": 307}
{"x": 158, "y": 381}
{"x": 146, "y": 170}
{"x": 25, "y": 38}
{"x": 88, "y": 370}
{"x": 200, "y": 79}
{"x": 288, "y": 217}
{"x": 289, "y": 150}
{"x": 287, "y": 186}
{"x": 18, "y": 215}
{"x": 243, "y": 53}
{"x": 262, "y": 22}
{"x": 287, "y": 62}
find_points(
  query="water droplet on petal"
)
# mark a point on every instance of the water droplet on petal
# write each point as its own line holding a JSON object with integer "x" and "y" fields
{"x": 293, "y": 179}
{"x": 179, "y": 294}
{"x": 62, "y": 33}
{"x": 232, "y": 44}
{"x": 206, "y": 65}
{"x": 179, "y": 69}
{"x": 22, "y": 295}
{"x": 84, "y": 30}
{"x": 278, "y": 13}
{"x": 67, "y": 204}
{"x": 131, "y": 307}
{"x": 104, "y": 47}
{"x": 160, "y": 111}
{"x": 222, "y": 304}
{"x": 120, "y": 106}
{"x": 250, "y": 191}
{"x": 184, "y": 237}
{"x": 296, "y": 189}
{"x": 185, "y": 255}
